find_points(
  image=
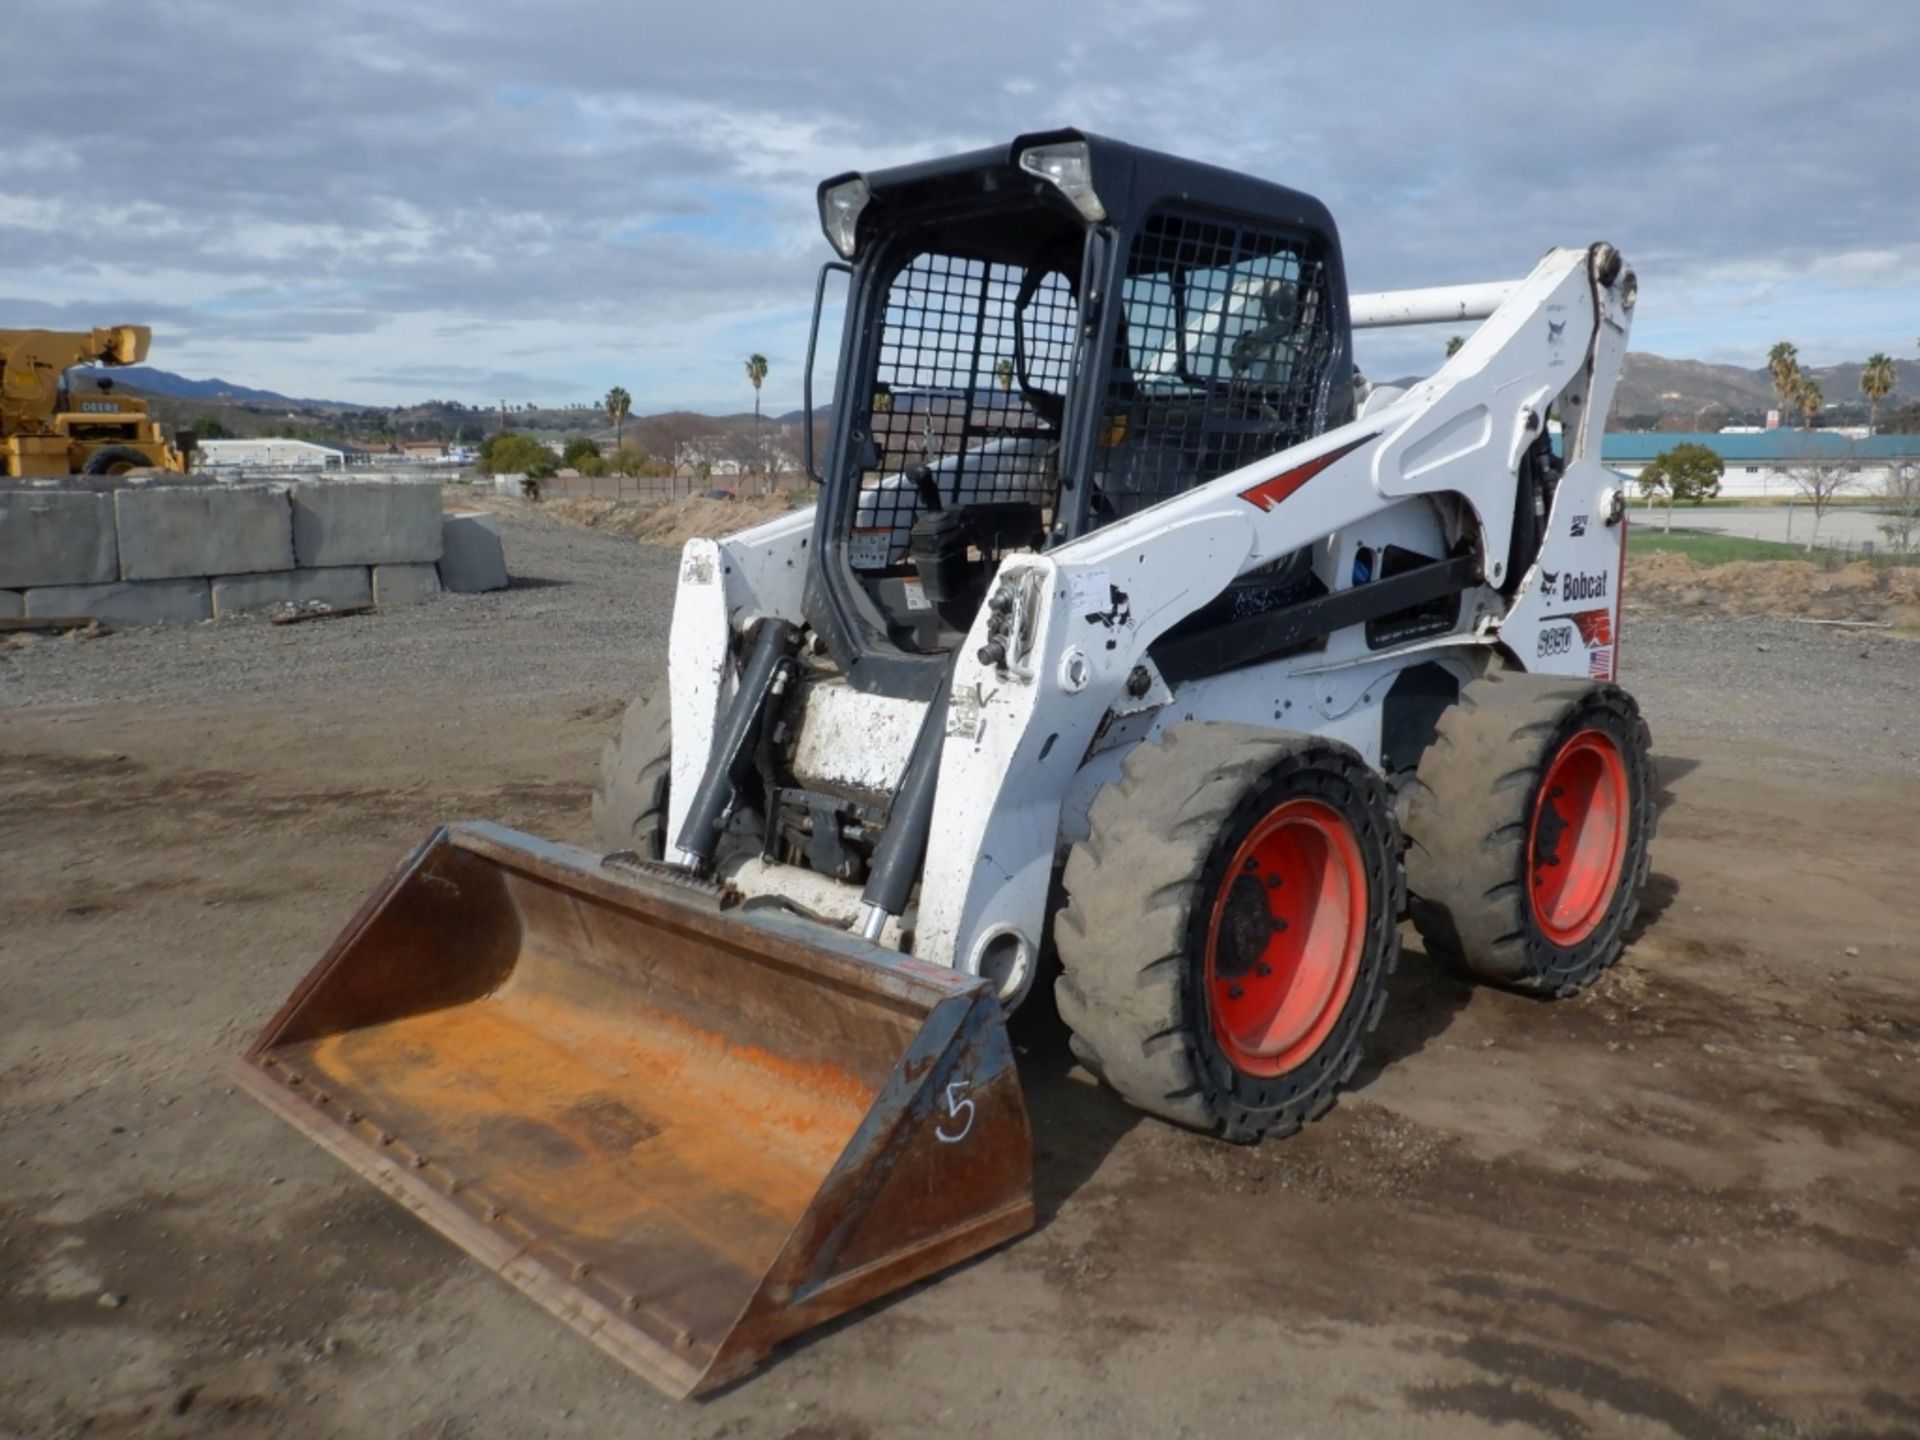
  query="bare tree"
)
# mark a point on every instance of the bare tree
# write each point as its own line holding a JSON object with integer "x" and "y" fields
{"x": 1819, "y": 479}
{"x": 1900, "y": 501}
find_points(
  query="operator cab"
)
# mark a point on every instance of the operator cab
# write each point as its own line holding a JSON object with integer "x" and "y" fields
{"x": 1039, "y": 341}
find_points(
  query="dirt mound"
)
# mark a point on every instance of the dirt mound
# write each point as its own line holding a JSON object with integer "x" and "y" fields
{"x": 1675, "y": 584}
{"x": 671, "y": 522}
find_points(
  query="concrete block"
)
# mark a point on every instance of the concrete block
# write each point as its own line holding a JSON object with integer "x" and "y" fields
{"x": 338, "y": 587}
{"x": 348, "y": 523}
{"x": 56, "y": 538}
{"x": 127, "y": 602}
{"x": 404, "y": 584}
{"x": 203, "y": 530}
{"x": 10, "y": 605}
{"x": 471, "y": 555}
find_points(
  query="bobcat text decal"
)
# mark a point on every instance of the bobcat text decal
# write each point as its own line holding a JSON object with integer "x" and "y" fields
{"x": 1577, "y": 586}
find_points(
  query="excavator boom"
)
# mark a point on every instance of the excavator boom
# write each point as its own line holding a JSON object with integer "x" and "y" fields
{"x": 42, "y": 433}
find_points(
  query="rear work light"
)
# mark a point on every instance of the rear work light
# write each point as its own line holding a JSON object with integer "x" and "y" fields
{"x": 1068, "y": 167}
{"x": 840, "y": 207}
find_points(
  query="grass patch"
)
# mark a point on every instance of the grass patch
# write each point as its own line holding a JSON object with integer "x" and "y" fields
{"x": 1710, "y": 549}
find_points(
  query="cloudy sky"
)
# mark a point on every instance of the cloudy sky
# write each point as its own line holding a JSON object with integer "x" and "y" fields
{"x": 385, "y": 200}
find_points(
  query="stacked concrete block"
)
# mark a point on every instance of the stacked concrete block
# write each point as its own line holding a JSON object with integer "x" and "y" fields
{"x": 128, "y": 602}
{"x": 52, "y": 537}
{"x": 171, "y": 531}
{"x": 343, "y": 523}
{"x": 404, "y": 584}
{"x": 338, "y": 587}
{"x": 133, "y": 552}
{"x": 471, "y": 555}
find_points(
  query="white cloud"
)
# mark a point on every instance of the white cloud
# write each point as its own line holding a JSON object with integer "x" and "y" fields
{"x": 346, "y": 197}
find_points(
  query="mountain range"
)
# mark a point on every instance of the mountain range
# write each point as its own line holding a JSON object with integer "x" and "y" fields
{"x": 149, "y": 381}
{"x": 1654, "y": 392}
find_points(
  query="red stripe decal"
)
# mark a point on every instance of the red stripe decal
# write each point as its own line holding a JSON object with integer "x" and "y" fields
{"x": 1269, "y": 493}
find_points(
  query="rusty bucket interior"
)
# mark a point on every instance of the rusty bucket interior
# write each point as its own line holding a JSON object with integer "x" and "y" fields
{"x": 687, "y": 1133}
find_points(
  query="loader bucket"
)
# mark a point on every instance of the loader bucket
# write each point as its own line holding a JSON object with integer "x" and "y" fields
{"x": 688, "y": 1133}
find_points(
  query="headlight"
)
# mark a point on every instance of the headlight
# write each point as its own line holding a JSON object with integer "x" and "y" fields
{"x": 840, "y": 207}
{"x": 1069, "y": 168}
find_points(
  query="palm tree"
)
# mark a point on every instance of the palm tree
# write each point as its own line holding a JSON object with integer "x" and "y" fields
{"x": 756, "y": 372}
{"x": 1453, "y": 345}
{"x": 1876, "y": 383}
{"x": 1003, "y": 373}
{"x": 618, "y": 405}
{"x": 1783, "y": 364}
{"x": 1807, "y": 399}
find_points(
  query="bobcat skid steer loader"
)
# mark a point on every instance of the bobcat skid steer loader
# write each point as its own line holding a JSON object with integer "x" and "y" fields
{"x": 1134, "y": 649}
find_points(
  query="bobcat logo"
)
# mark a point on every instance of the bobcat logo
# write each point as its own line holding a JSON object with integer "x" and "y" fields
{"x": 1548, "y": 579}
{"x": 1556, "y": 331}
{"x": 1119, "y": 616}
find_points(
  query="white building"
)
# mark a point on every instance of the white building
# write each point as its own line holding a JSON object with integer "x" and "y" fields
{"x": 1760, "y": 464}
{"x": 213, "y": 455}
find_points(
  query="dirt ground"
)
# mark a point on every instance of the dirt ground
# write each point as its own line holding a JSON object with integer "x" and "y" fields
{"x": 1686, "y": 1203}
{"x": 1859, "y": 591}
{"x": 672, "y": 522}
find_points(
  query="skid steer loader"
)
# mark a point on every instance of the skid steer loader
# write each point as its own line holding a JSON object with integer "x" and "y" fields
{"x": 1135, "y": 649}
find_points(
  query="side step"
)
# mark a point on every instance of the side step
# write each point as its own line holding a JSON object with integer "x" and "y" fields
{"x": 689, "y": 1134}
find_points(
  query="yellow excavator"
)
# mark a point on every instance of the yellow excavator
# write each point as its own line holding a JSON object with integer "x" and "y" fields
{"x": 46, "y": 430}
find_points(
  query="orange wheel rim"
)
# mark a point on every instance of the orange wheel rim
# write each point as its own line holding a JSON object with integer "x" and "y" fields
{"x": 1285, "y": 938}
{"x": 1577, "y": 842}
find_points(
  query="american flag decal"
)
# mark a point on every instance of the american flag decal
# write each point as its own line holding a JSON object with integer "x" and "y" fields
{"x": 1600, "y": 663}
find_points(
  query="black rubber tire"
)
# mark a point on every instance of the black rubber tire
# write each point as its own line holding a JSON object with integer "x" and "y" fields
{"x": 630, "y": 800}
{"x": 1132, "y": 934}
{"x": 116, "y": 460}
{"x": 1469, "y": 818}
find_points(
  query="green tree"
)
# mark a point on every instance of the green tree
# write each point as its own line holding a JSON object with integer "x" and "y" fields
{"x": 513, "y": 452}
{"x": 1783, "y": 366}
{"x": 207, "y": 427}
{"x": 1003, "y": 373}
{"x": 756, "y": 372}
{"x": 1876, "y": 383}
{"x": 618, "y": 405}
{"x": 1688, "y": 471}
{"x": 1807, "y": 399}
{"x": 1453, "y": 345}
{"x": 578, "y": 448}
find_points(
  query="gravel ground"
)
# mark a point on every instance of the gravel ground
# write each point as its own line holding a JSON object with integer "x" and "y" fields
{"x": 587, "y": 615}
{"x": 583, "y": 608}
{"x": 1822, "y": 698}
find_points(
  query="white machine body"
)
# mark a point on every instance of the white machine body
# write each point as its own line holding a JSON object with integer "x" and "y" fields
{"x": 1030, "y": 740}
